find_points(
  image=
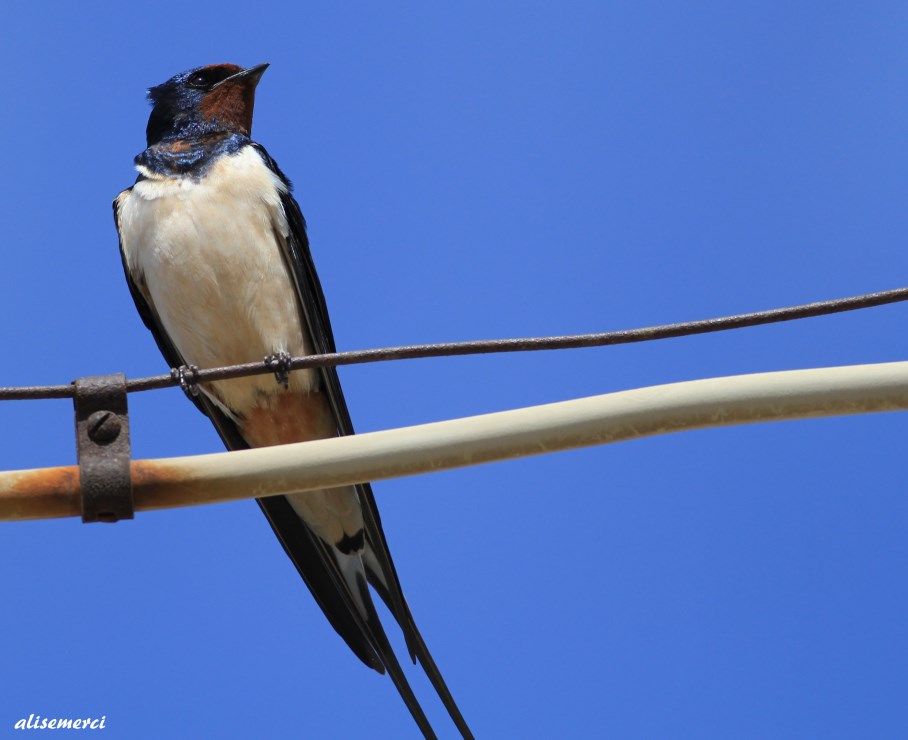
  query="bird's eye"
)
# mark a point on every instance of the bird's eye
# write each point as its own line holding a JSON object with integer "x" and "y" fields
{"x": 197, "y": 80}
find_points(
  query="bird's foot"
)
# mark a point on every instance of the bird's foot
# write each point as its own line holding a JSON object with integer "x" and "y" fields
{"x": 188, "y": 377}
{"x": 279, "y": 363}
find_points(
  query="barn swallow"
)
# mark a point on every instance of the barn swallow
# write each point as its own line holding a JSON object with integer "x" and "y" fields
{"x": 217, "y": 259}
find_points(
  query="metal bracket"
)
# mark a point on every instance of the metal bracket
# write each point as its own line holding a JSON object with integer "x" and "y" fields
{"x": 102, "y": 442}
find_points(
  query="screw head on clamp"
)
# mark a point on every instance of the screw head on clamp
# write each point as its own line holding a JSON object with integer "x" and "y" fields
{"x": 103, "y": 427}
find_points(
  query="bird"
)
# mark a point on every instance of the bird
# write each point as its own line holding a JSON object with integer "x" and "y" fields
{"x": 217, "y": 259}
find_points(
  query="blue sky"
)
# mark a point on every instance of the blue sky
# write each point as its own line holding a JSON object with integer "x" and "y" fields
{"x": 477, "y": 171}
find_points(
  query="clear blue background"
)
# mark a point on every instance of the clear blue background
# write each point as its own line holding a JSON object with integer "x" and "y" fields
{"x": 475, "y": 171}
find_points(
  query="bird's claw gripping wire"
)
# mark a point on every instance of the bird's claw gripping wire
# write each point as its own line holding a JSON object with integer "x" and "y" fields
{"x": 279, "y": 363}
{"x": 188, "y": 378}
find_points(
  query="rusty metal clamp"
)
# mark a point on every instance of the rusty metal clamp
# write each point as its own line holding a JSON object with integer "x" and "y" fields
{"x": 102, "y": 442}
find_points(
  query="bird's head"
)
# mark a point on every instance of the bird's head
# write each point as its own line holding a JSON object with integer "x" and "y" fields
{"x": 216, "y": 98}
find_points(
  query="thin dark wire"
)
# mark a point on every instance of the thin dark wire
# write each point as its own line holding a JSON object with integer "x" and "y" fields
{"x": 448, "y": 349}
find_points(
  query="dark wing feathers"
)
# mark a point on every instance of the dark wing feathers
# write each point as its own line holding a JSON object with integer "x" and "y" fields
{"x": 312, "y": 558}
{"x": 316, "y": 315}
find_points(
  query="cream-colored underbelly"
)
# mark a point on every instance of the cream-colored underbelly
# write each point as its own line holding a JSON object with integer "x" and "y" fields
{"x": 208, "y": 256}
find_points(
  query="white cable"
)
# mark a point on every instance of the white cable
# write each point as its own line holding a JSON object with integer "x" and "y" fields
{"x": 614, "y": 417}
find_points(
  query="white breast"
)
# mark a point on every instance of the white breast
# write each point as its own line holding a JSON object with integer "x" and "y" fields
{"x": 207, "y": 255}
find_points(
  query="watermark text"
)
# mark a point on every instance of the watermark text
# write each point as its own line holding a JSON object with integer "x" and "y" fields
{"x": 37, "y": 722}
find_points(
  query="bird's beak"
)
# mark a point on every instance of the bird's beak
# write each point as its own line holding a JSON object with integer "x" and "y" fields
{"x": 251, "y": 75}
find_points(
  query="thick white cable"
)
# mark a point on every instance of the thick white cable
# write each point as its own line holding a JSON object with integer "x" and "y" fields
{"x": 443, "y": 445}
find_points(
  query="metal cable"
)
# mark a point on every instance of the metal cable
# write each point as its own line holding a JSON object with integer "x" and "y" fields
{"x": 488, "y": 346}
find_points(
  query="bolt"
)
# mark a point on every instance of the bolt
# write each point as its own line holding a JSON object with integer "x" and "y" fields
{"x": 103, "y": 427}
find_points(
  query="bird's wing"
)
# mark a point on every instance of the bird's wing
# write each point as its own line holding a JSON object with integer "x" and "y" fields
{"x": 312, "y": 557}
{"x": 379, "y": 566}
